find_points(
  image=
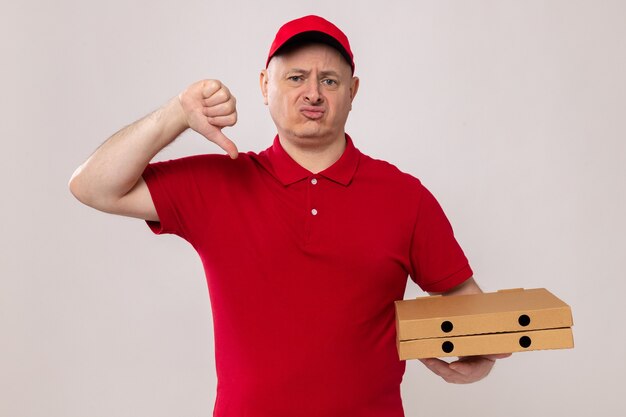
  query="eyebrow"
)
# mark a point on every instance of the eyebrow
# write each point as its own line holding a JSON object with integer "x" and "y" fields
{"x": 322, "y": 73}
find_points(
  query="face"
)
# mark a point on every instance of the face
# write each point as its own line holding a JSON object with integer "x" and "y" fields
{"x": 309, "y": 92}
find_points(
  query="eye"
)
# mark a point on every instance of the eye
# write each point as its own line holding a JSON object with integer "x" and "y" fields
{"x": 295, "y": 78}
{"x": 329, "y": 82}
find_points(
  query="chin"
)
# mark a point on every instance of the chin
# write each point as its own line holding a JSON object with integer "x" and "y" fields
{"x": 311, "y": 136}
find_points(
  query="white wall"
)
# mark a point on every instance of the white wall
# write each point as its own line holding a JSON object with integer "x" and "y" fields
{"x": 511, "y": 112}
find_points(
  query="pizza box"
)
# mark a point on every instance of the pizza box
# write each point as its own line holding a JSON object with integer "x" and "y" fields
{"x": 479, "y": 324}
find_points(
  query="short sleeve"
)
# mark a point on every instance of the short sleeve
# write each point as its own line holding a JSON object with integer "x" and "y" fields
{"x": 437, "y": 261}
{"x": 180, "y": 201}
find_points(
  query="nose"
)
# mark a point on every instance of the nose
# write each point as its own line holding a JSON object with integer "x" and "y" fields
{"x": 313, "y": 94}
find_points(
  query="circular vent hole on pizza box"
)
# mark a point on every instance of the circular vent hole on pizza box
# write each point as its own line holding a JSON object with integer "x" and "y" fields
{"x": 525, "y": 341}
{"x": 447, "y": 346}
{"x": 523, "y": 320}
{"x": 447, "y": 326}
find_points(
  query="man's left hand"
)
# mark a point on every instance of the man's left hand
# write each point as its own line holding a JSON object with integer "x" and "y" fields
{"x": 466, "y": 370}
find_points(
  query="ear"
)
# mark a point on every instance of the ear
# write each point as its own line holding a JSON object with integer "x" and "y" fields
{"x": 354, "y": 87}
{"x": 263, "y": 79}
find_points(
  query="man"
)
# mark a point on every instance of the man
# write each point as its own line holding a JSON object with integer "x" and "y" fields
{"x": 305, "y": 245}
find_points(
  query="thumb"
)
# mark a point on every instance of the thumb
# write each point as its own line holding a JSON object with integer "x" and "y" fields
{"x": 224, "y": 142}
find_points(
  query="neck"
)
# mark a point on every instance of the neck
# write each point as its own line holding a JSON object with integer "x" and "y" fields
{"x": 315, "y": 158}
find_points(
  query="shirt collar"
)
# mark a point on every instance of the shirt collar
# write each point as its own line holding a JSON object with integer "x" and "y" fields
{"x": 288, "y": 171}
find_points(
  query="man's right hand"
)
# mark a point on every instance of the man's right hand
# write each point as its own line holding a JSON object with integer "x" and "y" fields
{"x": 208, "y": 107}
{"x": 111, "y": 179}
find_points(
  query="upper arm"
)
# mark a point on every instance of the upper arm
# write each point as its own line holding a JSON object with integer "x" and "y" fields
{"x": 437, "y": 260}
{"x": 136, "y": 203}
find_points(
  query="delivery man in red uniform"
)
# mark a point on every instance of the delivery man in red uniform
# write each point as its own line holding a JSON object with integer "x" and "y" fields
{"x": 305, "y": 245}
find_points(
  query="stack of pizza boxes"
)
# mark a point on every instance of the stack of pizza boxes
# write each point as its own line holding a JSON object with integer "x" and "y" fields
{"x": 480, "y": 324}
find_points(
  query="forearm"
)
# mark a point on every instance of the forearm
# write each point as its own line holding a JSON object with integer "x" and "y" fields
{"x": 116, "y": 166}
{"x": 467, "y": 287}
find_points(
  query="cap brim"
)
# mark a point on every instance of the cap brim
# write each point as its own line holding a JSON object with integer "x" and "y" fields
{"x": 312, "y": 37}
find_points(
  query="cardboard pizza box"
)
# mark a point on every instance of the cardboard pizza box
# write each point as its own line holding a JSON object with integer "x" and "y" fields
{"x": 479, "y": 324}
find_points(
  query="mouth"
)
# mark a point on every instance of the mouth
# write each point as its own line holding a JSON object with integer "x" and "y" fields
{"x": 312, "y": 112}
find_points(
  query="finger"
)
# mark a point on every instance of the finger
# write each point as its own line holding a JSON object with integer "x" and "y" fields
{"x": 472, "y": 368}
{"x": 223, "y": 121}
{"x": 222, "y": 109}
{"x": 442, "y": 369}
{"x": 219, "y": 96}
{"x": 434, "y": 363}
{"x": 208, "y": 88}
{"x": 225, "y": 143}
{"x": 497, "y": 356}
{"x": 464, "y": 368}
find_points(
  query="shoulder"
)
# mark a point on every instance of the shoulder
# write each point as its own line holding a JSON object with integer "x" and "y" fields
{"x": 203, "y": 160}
{"x": 374, "y": 169}
{"x": 212, "y": 164}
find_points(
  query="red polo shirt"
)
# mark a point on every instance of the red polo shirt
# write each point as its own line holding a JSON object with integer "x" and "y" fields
{"x": 302, "y": 271}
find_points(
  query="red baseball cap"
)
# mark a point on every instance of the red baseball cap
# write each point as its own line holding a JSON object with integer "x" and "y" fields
{"x": 311, "y": 29}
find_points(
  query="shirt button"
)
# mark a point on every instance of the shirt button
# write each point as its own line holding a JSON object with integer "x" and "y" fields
{"x": 314, "y": 212}
{"x": 314, "y": 181}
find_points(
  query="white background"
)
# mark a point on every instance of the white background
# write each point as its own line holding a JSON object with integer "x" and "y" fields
{"x": 512, "y": 112}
